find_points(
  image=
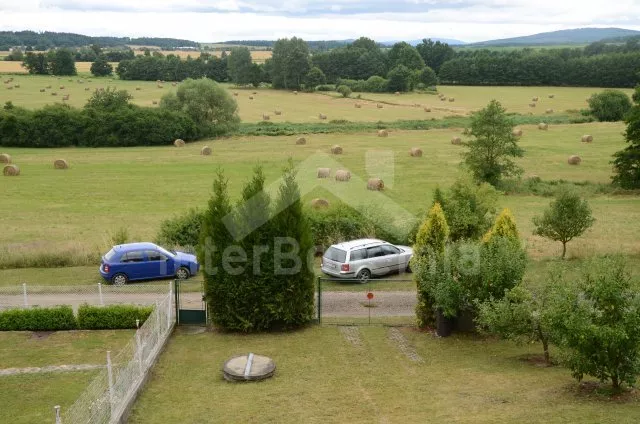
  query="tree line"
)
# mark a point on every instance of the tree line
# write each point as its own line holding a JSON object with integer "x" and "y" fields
{"x": 42, "y": 41}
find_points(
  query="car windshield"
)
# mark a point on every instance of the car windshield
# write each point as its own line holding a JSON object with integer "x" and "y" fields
{"x": 167, "y": 252}
{"x": 335, "y": 254}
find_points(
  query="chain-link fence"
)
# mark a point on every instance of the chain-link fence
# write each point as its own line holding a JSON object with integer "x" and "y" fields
{"x": 27, "y": 296}
{"x": 111, "y": 393}
{"x": 363, "y": 303}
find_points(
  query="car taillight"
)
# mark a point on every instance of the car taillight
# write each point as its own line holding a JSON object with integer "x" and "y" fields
{"x": 344, "y": 267}
{"x": 105, "y": 267}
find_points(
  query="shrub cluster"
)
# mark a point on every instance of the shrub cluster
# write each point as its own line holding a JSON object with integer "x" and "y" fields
{"x": 112, "y": 317}
{"x": 38, "y": 319}
{"x": 61, "y": 318}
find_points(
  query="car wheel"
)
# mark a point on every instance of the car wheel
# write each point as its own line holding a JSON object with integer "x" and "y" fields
{"x": 408, "y": 268}
{"x": 182, "y": 273}
{"x": 364, "y": 275}
{"x": 119, "y": 279}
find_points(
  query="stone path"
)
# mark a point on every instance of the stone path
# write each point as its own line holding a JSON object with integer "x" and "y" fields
{"x": 401, "y": 342}
{"x": 50, "y": 368}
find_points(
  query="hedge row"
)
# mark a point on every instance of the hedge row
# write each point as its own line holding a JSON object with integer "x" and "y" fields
{"x": 61, "y": 318}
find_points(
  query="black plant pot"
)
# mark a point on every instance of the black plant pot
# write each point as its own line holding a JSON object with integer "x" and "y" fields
{"x": 465, "y": 322}
{"x": 444, "y": 325}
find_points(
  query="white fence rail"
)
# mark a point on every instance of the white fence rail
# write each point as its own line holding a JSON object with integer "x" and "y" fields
{"x": 111, "y": 393}
{"x": 27, "y": 296}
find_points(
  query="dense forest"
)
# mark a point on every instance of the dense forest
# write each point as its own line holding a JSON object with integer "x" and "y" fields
{"x": 46, "y": 40}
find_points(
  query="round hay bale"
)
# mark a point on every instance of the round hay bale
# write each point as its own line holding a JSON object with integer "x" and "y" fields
{"x": 53, "y": 93}
{"x": 551, "y": 96}
{"x": 206, "y": 151}
{"x": 415, "y": 152}
{"x": 179, "y": 142}
{"x": 543, "y": 126}
{"x": 375, "y": 184}
{"x": 466, "y": 131}
{"x": 357, "y": 105}
{"x": 322, "y": 116}
{"x": 383, "y": 133}
{"x": 250, "y": 97}
{"x": 324, "y": 172}
{"x": 342, "y": 175}
{"x": 548, "y": 111}
{"x": 42, "y": 90}
{"x": 379, "y": 106}
{"x": 17, "y": 86}
{"x": 301, "y": 140}
{"x": 137, "y": 88}
{"x": 587, "y": 138}
{"x": 87, "y": 89}
{"x": 235, "y": 93}
{"x": 60, "y": 164}
{"x": 532, "y": 105}
{"x": 158, "y": 81}
{"x": 443, "y": 99}
{"x": 48, "y": 86}
{"x": 295, "y": 92}
{"x": 427, "y": 109}
{"x": 5, "y": 158}
{"x": 277, "y": 112}
{"x": 9, "y": 88}
{"x": 336, "y": 150}
{"x": 160, "y": 86}
{"x": 535, "y": 99}
{"x": 265, "y": 117}
{"x": 62, "y": 87}
{"x": 319, "y": 203}
{"x": 173, "y": 84}
{"x": 517, "y": 132}
{"x": 451, "y": 99}
{"x": 574, "y": 160}
{"x": 397, "y": 93}
{"x": 456, "y": 141}
{"x": 154, "y": 102}
{"x": 11, "y": 171}
{"x": 65, "y": 97}
{"x": 255, "y": 92}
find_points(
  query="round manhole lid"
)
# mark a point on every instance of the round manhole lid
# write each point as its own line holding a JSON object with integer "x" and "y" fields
{"x": 249, "y": 367}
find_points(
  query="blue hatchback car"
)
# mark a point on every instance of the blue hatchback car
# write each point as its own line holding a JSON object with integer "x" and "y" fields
{"x": 144, "y": 261}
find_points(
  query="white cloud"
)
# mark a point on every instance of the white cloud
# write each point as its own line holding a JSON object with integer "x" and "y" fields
{"x": 201, "y": 20}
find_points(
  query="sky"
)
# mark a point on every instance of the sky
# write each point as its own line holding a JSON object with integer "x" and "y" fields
{"x": 382, "y": 20}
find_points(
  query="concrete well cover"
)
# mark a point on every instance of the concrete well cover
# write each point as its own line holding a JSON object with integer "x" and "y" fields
{"x": 249, "y": 367}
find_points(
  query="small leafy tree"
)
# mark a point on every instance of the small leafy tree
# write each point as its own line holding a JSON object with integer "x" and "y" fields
{"x": 108, "y": 100}
{"x": 314, "y": 78}
{"x": 567, "y": 217}
{"x": 492, "y": 145}
{"x": 523, "y": 315}
{"x": 206, "y": 102}
{"x": 400, "y": 79}
{"x": 62, "y": 62}
{"x": 598, "y": 325}
{"x": 610, "y": 105}
{"x": 429, "y": 249}
{"x": 428, "y": 77}
{"x": 626, "y": 162}
{"x": 344, "y": 90}
{"x": 239, "y": 65}
{"x": 101, "y": 68}
{"x": 36, "y": 63}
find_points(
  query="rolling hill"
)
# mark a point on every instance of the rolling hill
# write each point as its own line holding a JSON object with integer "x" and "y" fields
{"x": 567, "y": 36}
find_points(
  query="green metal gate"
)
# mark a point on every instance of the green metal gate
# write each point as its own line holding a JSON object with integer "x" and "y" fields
{"x": 191, "y": 309}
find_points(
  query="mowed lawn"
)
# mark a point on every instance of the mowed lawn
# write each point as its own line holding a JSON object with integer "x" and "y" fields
{"x": 30, "y": 398}
{"x": 322, "y": 377}
{"x": 306, "y": 107}
{"x": 106, "y": 189}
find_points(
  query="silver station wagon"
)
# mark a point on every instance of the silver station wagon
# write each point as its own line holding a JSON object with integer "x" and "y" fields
{"x": 365, "y": 258}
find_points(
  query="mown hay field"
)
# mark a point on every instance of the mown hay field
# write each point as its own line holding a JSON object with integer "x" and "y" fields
{"x": 105, "y": 189}
{"x": 307, "y": 107}
{"x": 12, "y": 67}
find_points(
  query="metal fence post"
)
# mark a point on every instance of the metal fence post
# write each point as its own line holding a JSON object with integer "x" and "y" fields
{"x": 100, "y": 294}
{"x": 158, "y": 323}
{"x": 177, "y": 299}
{"x": 58, "y": 419}
{"x": 319, "y": 300}
{"x": 112, "y": 399}
{"x": 139, "y": 347}
{"x": 169, "y": 307}
{"x": 24, "y": 295}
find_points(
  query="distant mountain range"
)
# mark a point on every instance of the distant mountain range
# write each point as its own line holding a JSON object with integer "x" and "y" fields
{"x": 450, "y": 41}
{"x": 566, "y": 36}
